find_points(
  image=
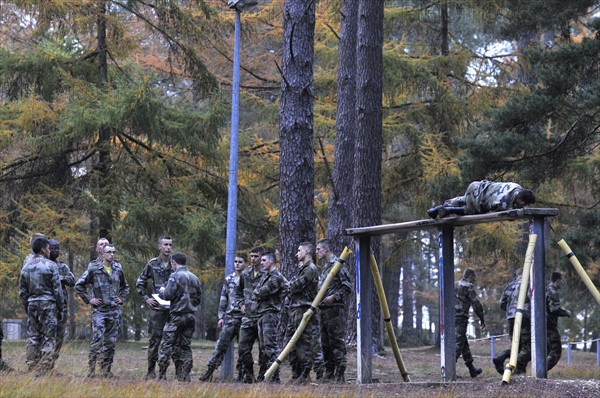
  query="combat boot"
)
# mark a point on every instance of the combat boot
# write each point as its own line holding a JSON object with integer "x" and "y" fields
{"x": 319, "y": 374}
{"x": 248, "y": 375}
{"x": 240, "y": 376}
{"x": 499, "y": 362}
{"x": 151, "y": 375}
{"x": 207, "y": 376}
{"x": 473, "y": 371}
{"x": 329, "y": 374}
{"x": 339, "y": 374}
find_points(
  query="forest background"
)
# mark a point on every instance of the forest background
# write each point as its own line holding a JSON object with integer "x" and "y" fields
{"x": 114, "y": 122}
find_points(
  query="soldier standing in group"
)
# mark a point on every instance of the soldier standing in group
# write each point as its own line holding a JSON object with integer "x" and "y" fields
{"x": 230, "y": 318}
{"x": 109, "y": 290}
{"x": 184, "y": 292}
{"x": 41, "y": 295}
{"x": 465, "y": 298}
{"x": 301, "y": 293}
{"x": 3, "y": 365}
{"x": 269, "y": 294}
{"x": 508, "y": 303}
{"x": 553, "y": 312}
{"x": 66, "y": 279}
{"x": 332, "y": 317}
{"x": 249, "y": 328}
{"x": 158, "y": 269}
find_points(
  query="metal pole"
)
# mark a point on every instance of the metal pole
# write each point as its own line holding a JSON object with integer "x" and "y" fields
{"x": 364, "y": 326}
{"x": 493, "y": 347}
{"x": 227, "y": 365}
{"x": 568, "y": 353}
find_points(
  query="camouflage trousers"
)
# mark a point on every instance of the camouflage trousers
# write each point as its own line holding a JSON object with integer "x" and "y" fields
{"x": 61, "y": 329}
{"x": 268, "y": 344}
{"x": 302, "y": 356}
{"x": 105, "y": 329}
{"x": 333, "y": 336}
{"x": 156, "y": 323}
{"x": 524, "y": 355}
{"x": 462, "y": 343}
{"x": 177, "y": 337}
{"x": 41, "y": 334}
{"x": 230, "y": 330}
{"x": 554, "y": 347}
{"x": 248, "y": 335}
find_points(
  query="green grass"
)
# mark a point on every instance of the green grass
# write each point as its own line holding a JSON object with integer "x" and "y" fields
{"x": 130, "y": 368}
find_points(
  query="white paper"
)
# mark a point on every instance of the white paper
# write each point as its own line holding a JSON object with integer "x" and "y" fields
{"x": 161, "y": 302}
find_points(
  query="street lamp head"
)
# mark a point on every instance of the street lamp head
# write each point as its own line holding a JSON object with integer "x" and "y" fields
{"x": 241, "y": 5}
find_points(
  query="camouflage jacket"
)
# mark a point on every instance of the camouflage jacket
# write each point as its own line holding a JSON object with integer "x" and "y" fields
{"x": 270, "y": 292}
{"x": 184, "y": 291}
{"x": 510, "y": 298}
{"x": 227, "y": 303}
{"x": 40, "y": 281}
{"x": 66, "y": 279}
{"x": 103, "y": 286}
{"x": 553, "y": 308}
{"x": 340, "y": 286}
{"x": 485, "y": 196}
{"x": 466, "y": 297}
{"x": 159, "y": 272}
{"x": 303, "y": 288}
{"x": 243, "y": 292}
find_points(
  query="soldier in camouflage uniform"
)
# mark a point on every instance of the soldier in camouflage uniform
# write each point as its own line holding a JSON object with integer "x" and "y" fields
{"x": 465, "y": 298}
{"x": 483, "y": 197}
{"x": 66, "y": 279}
{"x": 109, "y": 290}
{"x": 159, "y": 270}
{"x": 332, "y": 315}
{"x": 184, "y": 292}
{"x": 301, "y": 293}
{"x": 249, "y": 328}
{"x": 230, "y": 318}
{"x": 553, "y": 312}
{"x": 42, "y": 297}
{"x": 3, "y": 365}
{"x": 508, "y": 303}
{"x": 269, "y": 295}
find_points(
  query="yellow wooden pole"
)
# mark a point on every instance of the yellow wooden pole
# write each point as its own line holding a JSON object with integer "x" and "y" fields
{"x": 308, "y": 314}
{"x": 582, "y": 274}
{"x": 516, "y": 337}
{"x": 386, "y": 317}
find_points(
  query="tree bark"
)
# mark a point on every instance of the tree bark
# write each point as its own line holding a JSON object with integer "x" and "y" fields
{"x": 296, "y": 167}
{"x": 340, "y": 198}
{"x": 366, "y": 200}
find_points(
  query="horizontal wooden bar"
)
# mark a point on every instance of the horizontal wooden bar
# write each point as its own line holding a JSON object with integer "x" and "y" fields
{"x": 457, "y": 221}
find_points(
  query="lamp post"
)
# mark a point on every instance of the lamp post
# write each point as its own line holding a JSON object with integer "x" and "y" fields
{"x": 230, "y": 240}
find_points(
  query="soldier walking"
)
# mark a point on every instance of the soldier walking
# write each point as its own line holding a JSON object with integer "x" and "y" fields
{"x": 332, "y": 315}
{"x": 109, "y": 290}
{"x": 230, "y": 318}
{"x": 249, "y": 327}
{"x": 301, "y": 293}
{"x": 508, "y": 303}
{"x": 465, "y": 298}
{"x": 67, "y": 279}
{"x": 269, "y": 294}
{"x": 554, "y": 311}
{"x": 41, "y": 295}
{"x": 158, "y": 270}
{"x": 184, "y": 292}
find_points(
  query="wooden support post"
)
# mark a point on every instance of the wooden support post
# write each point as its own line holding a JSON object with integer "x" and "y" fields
{"x": 447, "y": 324}
{"x": 364, "y": 290}
{"x": 539, "y": 361}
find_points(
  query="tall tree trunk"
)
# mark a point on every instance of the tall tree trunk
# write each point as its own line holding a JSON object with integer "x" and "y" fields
{"x": 366, "y": 200}
{"x": 296, "y": 167}
{"x": 407, "y": 298}
{"x": 104, "y": 136}
{"x": 340, "y": 199}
